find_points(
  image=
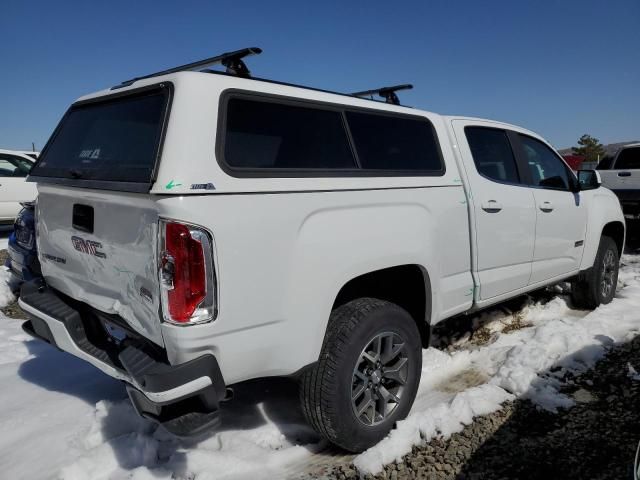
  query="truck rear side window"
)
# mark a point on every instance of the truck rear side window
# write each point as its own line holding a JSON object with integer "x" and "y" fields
{"x": 389, "y": 142}
{"x": 115, "y": 140}
{"x": 628, "y": 159}
{"x": 492, "y": 154}
{"x": 272, "y": 135}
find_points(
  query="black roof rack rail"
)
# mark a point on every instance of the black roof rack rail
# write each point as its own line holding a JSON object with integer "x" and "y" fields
{"x": 231, "y": 60}
{"x": 388, "y": 93}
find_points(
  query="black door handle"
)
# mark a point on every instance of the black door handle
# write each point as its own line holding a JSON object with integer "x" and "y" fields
{"x": 624, "y": 174}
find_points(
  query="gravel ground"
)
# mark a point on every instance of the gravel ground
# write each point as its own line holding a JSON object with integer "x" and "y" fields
{"x": 14, "y": 311}
{"x": 596, "y": 439}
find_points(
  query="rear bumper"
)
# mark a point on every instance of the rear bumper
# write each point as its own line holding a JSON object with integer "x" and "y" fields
{"x": 184, "y": 398}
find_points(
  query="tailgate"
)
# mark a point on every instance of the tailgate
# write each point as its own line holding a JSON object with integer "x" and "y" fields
{"x": 99, "y": 247}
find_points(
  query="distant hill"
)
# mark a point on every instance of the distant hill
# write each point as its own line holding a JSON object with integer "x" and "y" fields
{"x": 610, "y": 149}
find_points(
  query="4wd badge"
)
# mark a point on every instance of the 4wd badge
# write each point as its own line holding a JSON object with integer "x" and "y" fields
{"x": 88, "y": 246}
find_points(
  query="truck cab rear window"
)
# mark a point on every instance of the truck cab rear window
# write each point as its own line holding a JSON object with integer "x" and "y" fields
{"x": 268, "y": 134}
{"x": 115, "y": 140}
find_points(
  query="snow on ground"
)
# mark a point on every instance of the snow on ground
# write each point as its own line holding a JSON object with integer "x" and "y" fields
{"x": 62, "y": 418}
{"x": 6, "y": 296}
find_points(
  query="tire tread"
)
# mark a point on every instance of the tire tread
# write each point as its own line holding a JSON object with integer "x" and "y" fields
{"x": 319, "y": 383}
{"x": 584, "y": 291}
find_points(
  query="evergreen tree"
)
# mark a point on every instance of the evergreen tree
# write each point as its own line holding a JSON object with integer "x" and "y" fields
{"x": 590, "y": 148}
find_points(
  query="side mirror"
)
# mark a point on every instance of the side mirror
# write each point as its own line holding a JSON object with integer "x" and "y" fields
{"x": 589, "y": 179}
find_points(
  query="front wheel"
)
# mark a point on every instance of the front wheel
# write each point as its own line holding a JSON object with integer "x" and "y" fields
{"x": 598, "y": 285}
{"x": 367, "y": 376}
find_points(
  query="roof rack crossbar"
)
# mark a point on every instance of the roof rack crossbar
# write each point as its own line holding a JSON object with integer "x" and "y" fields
{"x": 231, "y": 60}
{"x": 388, "y": 93}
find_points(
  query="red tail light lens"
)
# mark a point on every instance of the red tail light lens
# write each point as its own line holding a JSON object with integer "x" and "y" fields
{"x": 186, "y": 273}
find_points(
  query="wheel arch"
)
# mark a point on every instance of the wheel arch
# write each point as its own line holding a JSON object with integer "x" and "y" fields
{"x": 615, "y": 231}
{"x": 605, "y": 218}
{"x": 407, "y": 285}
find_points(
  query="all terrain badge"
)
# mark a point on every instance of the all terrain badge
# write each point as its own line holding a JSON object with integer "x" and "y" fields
{"x": 203, "y": 186}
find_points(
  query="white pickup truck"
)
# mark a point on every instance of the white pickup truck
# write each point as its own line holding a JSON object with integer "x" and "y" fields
{"x": 199, "y": 229}
{"x": 622, "y": 176}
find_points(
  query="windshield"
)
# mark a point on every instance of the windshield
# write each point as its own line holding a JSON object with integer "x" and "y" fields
{"x": 113, "y": 140}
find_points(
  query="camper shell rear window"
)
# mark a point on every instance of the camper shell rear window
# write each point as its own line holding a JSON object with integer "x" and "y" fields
{"x": 112, "y": 142}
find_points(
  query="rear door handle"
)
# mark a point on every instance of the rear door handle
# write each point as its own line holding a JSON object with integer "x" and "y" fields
{"x": 546, "y": 206}
{"x": 491, "y": 206}
{"x": 624, "y": 174}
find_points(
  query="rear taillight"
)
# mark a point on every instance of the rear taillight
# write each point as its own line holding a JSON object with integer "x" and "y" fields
{"x": 186, "y": 273}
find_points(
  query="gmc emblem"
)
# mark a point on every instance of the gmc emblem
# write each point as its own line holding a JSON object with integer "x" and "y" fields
{"x": 88, "y": 246}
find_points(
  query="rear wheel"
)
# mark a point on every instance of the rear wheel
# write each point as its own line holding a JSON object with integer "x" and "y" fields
{"x": 598, "y": 285}
{"x": 367, "y": 376}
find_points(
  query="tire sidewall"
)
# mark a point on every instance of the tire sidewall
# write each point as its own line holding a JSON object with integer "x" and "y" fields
{"x": 388, "y": 318}
{"x": 606, "y": 244}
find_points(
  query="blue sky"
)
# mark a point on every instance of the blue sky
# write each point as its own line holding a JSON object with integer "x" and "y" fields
{"x": 559, "y": 67}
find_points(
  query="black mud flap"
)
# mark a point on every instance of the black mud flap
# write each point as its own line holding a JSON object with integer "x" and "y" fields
{"x": 185, "y": 418}
{"x": 39, "y": 329}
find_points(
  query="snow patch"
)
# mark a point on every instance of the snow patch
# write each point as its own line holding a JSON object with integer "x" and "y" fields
{"x": 150, "y": 452}
{"x": 6, "y": 296}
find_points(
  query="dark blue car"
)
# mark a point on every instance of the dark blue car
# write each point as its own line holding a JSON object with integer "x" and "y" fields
{"x": 23, "y": 255}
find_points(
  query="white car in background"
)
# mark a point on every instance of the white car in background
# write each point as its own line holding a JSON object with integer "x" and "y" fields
{"x": 14, "y": 168}
{"x": 34, "y": 155}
